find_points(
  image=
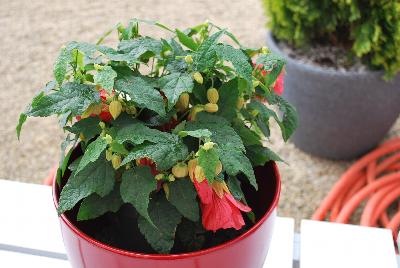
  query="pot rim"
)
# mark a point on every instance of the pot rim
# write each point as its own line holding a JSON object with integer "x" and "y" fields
{"x": 271, "y": 43}
{"x": 254, "y": 228}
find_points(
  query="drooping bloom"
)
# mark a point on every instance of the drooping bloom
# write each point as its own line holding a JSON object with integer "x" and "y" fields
{"x": 279, "y": 84}
{"x": 148, "y": 162}
{"x": 220, "y": 210}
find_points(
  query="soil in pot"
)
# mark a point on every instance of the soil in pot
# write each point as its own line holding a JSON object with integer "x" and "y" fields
{"x": 120, "y": 230}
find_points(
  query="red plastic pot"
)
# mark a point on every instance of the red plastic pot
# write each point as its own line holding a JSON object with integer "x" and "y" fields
{"x": 246, "y": 251}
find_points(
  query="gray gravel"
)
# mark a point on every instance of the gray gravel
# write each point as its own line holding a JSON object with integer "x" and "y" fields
{"x": 33, "y": 31}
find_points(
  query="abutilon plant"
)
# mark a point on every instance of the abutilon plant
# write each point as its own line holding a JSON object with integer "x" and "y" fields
{"x": 171, "y": 127}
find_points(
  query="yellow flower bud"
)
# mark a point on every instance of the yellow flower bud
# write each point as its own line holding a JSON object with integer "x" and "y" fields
{"x": 183, "y": 102}
{"x": 102, "y": 125}
{"x": 171, "y": 177}
{"x": 196, "y": 109}
{"x": 211, "y": 107}
{"x": 159, "y": 176}
{"x": 128, "y": 166}
{"x": 109, "y": 155}
{"x": 108, "y": 139}
{"x": 180, "y": 170}
{"x": 240, "y": 103}
{"x": 167, "y": 53}
{"x": 198, "y": 77}
{"x": 188, "y": 59}
{"x": 82, "y": 137}
{"x": 264, "y": 50}
{"x": 166, "y": 190}
{"x": 116, "y": 161}
{"x": 212, "y": 95}
{"x": 115, "y": 108}
{"x": 208, "y": 145}
{"x": 199, "y": 173}
{"x": 218, "y": 168}
{"x": 96, "y": 109}
{"x": 131, "y": 110}
{"x": 191, "y": 167}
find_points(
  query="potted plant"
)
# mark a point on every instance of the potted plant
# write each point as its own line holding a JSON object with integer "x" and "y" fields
{"x": 343, "y": 57}
{"x": 165, "y": 149}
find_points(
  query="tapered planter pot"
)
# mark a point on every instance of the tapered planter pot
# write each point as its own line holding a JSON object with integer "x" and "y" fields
{"x": 246, "y": 251}
{"x": 342, "y": 115}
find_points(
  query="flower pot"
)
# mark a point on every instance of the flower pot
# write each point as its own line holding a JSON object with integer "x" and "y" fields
{"x": 342, "y": 115}
{"x": 248, "y": 250}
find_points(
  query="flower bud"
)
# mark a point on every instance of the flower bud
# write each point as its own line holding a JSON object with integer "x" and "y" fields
{"x": 183, "y": 102}
{"x": 188, "y": 59}
{"x": 180, "y": 170}
{"x": 211, "y": 107}
{"x": 196, "y": 109}
{"x": 212, "y": 95}
{"x": 102, "y": 124}
{"x": 116, "y": 161}
{"x": 264, "y": 50}
{"x": 171, "y": 177}
{"x": 218, "y": 168}
{"x": 109, "y": 155}
{"x": 108, "y": 139}
{"x": 115, "y": 109}
{"x": 97, "y": 108}
{"x": 167, "y": 53}
{"x": 199, "y": 173}
{"x": 159, "y": 177}
{"x": 256, "y": 83}
{"x": 131, "y": 110}
{"x": 240, "y": 103}
{"x": 191, "y": 167}
{"x": 198, "y": 77}
{"x": 166, "y": 190}
{"x": 128, "y": 166}
{"x": 82, "y": 137}
{"x": 208, "y": 145}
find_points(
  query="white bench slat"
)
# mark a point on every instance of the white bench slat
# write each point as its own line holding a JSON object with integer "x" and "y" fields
{"x": 29, "y": 218}
{"x": 32, "y": 223}
{"x": 327, "y": 245}
{"x": 281, "y": 252}
{"x": 20, "y": 260}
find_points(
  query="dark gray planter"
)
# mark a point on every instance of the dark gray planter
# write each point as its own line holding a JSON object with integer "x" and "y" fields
{"x": 342, "y": 115}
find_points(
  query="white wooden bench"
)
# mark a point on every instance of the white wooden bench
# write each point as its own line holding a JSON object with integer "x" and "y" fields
{"x": 30, "y": 237}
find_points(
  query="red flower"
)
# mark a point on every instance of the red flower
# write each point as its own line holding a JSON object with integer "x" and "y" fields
{"x": 279, "y": 84}
{"x": 220, "y": 210}
{"x": 148, "y": 162}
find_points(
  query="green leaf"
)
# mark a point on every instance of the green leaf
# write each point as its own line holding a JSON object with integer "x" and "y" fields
{"x": 234, "y": 161}
{"x": 60, "y": 66}
{"x": 94, "y": 205}
{"x": 263, "y": 115}
{"x": 136, "y": 186}
{"x": 118, "y": 148}
{"x": 21, "y": 121}
{"x": 235, "y": 188}
{"x": 219, "y": 133}
{"x": 166, "y": 217}
{"x": 290, "y": 119}
{"x": 182, "y": 195}
{"x": 97, "y": 177}
{"x": 140, "y": 90}
{"x": 174, "y": 84}
{"x": 92, "y": 152}
{"x": 260, "y": 155}
{"x": 72, "y": 97}
{"x": 200, "y": 133}
{"x": 228, "y": 97}
{"x": 248, "y": 136}
{"x": 89, "y": 127}
{"x": 186, "y": 40}
{"x": 105, "y": 78}
{"x": 165, "y": 154}
{"x": 208, "y": 160}
{"x": 136, "y": 132}
{"x": 139, "y": 46}
{"x": 206, "y": 55}
{"x": 239, "y": 60}
{"x": 210, "y": 118}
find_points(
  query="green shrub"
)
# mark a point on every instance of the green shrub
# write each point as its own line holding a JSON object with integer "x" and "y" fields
{"x": 369, "y": 28}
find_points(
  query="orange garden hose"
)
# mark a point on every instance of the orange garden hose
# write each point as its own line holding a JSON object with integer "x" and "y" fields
{"x": 375, "y": 179}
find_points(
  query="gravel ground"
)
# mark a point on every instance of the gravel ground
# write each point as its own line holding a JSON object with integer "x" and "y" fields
{"x": 33, "y": 31}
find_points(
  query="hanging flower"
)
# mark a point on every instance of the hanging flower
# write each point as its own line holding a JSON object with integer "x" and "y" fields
{"x": 279, "y": 84}
{"x": 220, "y": 210}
